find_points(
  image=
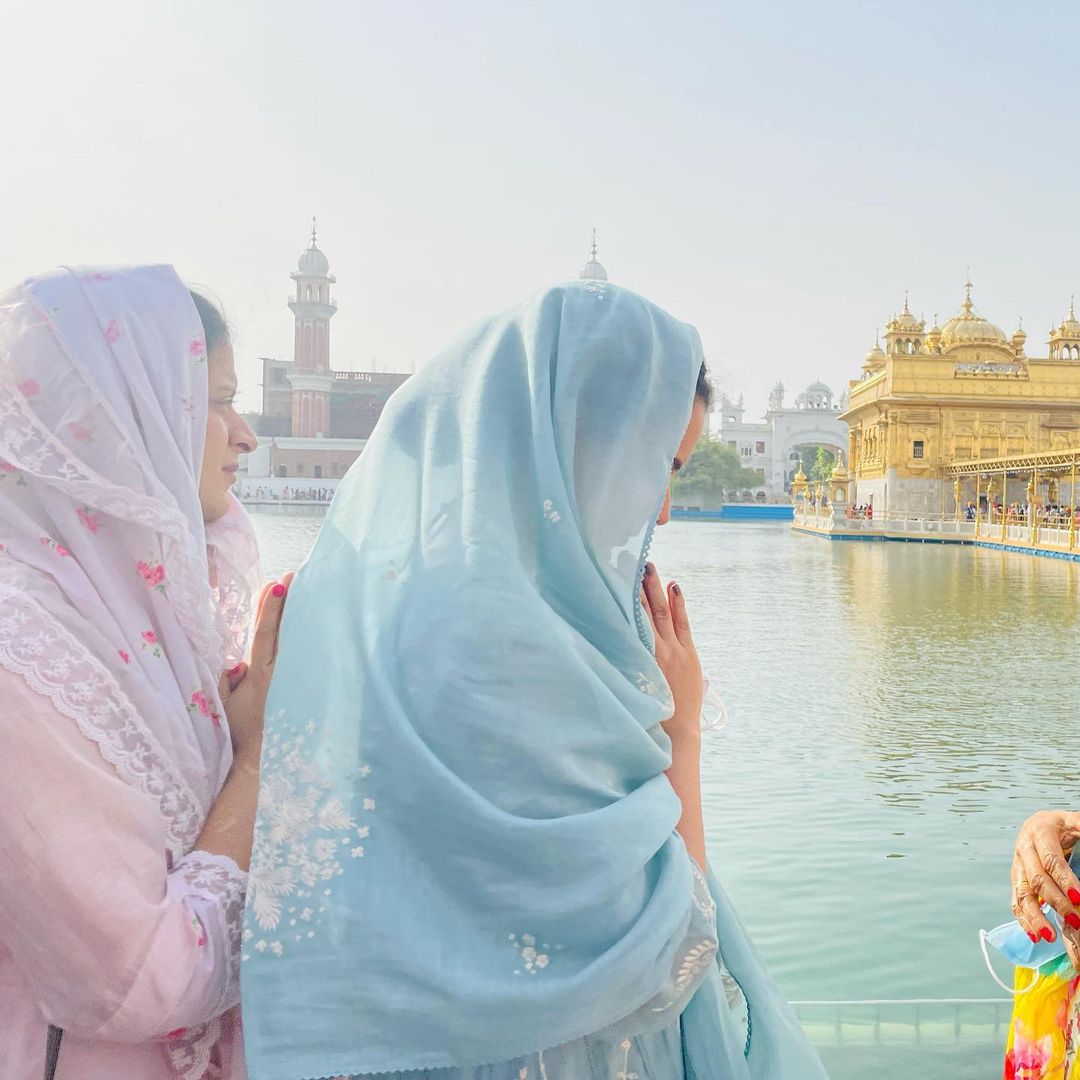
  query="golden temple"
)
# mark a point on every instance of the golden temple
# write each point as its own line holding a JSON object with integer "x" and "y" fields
{"x": 934, "y": 400}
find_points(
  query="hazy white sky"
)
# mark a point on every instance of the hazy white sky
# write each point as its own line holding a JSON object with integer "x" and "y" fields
{"x": 776, "y": 173}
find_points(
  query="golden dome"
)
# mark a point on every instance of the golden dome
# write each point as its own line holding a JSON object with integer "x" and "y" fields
{"x": 875, "y": 360}
{"x": 905, "y": 322}
{"x": 933, "y": 337}
{"x": 839, "y": 473}
{"x": 969, "y": 328}
{"x": 1070, "y": 327}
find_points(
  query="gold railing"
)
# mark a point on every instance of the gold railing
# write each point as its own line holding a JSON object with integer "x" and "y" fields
{"x": 1046, "y": 533}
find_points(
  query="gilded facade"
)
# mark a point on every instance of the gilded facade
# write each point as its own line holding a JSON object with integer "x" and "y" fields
{"x": 953, "y": 393}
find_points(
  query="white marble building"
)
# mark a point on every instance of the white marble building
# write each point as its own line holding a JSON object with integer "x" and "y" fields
{"x": 772, "y": 444}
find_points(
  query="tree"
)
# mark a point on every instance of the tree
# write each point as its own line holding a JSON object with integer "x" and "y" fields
{"x": 823, "y": 464}
{"x": 713, "y": 468}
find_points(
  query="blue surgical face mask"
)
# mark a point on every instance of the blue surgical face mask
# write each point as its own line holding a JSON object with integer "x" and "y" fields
{"x": 1012, "y": 941}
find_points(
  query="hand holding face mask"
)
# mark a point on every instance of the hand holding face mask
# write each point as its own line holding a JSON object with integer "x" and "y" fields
{"x": 1039, "y": 934}
{"x": 1041, "y": 875}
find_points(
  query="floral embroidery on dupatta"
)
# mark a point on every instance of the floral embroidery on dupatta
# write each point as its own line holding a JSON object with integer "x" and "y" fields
{"x": 151, "y": 644}
{"x": 550, "y": 513}
{"x": 80, "y": 432}
{"x": 153, "y": 573}
{"x": 52, "y": 545}
{"x": 304, "y": 833}
{"x": 201, "y": 703}
{"x": 91, "y": 522}
{"x": 7, "y": 469}
{"x": 694, "y": 962}
{"x": 532, "y": 959}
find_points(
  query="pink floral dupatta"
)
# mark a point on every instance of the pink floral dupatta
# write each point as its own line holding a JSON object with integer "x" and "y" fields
{"x": 116, "y": 603}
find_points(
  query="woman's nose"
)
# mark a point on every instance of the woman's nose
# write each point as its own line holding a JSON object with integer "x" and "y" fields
{"x": 244, "y": 438}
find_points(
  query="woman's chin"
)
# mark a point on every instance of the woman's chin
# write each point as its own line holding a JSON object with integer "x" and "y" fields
{"x": 215, "y": 506}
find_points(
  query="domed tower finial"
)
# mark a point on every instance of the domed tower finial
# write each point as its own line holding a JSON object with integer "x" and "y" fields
{"x": 1019, "y": 337}
{"x": 968, "y": 305}
{"x": 313, "y": 262}
{"x": 933, "y": 338}
{"x": 593, "y": 270}
{"x": 904, "y": 333}
{"x": 875, "y": 358}
{"x": 1065, "y": 339}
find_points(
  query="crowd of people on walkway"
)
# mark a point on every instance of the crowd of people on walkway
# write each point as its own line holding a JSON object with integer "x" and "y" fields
{"x": 1018, "y": 513}
{"x": 295, "y": 494}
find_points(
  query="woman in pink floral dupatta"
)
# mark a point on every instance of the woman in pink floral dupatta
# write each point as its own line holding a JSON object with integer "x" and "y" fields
{"x": 128, "y": 775}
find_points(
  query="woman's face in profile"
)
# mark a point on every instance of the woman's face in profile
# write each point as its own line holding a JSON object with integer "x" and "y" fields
{"x": 227, "y": 435}
{"x": 682, "y": 455}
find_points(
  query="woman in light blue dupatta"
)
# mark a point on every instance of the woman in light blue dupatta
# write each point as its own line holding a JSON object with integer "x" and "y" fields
{"x": 467, "y": 861}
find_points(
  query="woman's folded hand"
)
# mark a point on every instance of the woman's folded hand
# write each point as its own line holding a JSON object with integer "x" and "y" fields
{"x": 675, "y": 653}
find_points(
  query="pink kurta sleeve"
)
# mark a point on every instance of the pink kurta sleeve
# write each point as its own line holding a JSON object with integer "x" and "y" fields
{"x": 114, "y": 945}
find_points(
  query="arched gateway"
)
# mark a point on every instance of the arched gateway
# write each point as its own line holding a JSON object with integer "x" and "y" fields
{"x": 773, "y": 443}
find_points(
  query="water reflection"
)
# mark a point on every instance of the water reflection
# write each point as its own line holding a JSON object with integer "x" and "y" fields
{"x": 962, "y": 668}
{"x": 897, "y": 710}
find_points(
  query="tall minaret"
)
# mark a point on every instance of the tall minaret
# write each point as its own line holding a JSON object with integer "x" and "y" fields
{"x": 310, "y": 377}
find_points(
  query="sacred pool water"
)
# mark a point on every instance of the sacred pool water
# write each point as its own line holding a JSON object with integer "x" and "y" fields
{"x": 896, "y": 710}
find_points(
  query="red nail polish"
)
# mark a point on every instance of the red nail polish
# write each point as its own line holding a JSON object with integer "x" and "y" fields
{"x": 1074, "y": 896}
{"x": 1073, "y": 920}
{"x": 278, "y": 590}
{"x": 1034, "y": 937}
{"x": 1047, "y": 934}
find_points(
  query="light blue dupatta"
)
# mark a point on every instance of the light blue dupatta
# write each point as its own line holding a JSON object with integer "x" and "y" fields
{"x": 465, "y": 848}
